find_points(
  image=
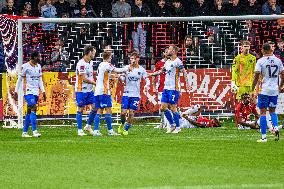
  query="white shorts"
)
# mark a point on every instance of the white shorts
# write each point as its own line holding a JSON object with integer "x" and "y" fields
{"x": 185, "y": 123}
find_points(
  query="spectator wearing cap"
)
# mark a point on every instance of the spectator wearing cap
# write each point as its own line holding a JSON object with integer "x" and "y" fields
{"x": 9, "y": 8}
{"x": 252, "y": 7}
{"x": 200, "y": 8}
{"x": 270, "y": 7}
{"x": 62, "y": 6}
{"x": 177, "y": 9}
{"x": 218, "y": 9}
{"x": 48, "y": 11}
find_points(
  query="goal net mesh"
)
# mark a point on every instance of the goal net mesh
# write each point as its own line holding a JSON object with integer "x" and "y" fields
{"x": 207, "y": 55}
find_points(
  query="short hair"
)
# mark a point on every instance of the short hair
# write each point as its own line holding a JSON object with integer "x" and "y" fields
{"x": 245, "y": 42}
{"x": 175, "y": 48}
{"x": 88, "y": 49}
{"x": 134, "y": 53}
{"x": 266, "y": 48}
{"x": 34, "y": 54}
{"x": 245, "y": 95}
{"x": 106, "y": 55}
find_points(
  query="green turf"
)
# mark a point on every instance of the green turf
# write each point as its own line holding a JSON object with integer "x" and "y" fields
{"x": 146, "y": 158}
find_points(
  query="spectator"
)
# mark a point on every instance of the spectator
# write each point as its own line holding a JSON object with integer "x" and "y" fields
{"x": 59, "y": 57}
{"x": 140, "y": 9}
{"x": 9, "y": 8}
{"x": 48, "y": 11}
{"x": 84, "y": 12}
{"x": 89, "y": 8}
{"x": 62, "y": 6}
{"x": 190, "y": 47}
{"x": 177, "y": 8}
{"x": 218, "y": 9}
{"x": 200, "y": 8}
{"x": 28, "y": 8}
{"x": 252, "y": 7}
{"x": 121, "y": 9}
{"x": 35, "y": 45}
{"x": 270, "y": 7}
{"x": 279, "y": 51}
{"x": 162, "y": 10}
{"x": 234, "y": 8}
{"x": 114, "y": 59}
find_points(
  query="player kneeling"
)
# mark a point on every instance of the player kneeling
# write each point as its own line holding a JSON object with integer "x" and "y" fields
{"x": 131, "y": 94}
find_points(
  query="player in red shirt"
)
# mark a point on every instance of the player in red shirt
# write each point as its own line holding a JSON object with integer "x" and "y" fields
{"x": 203, "y": 122}
{"x": 246, "y": 114}
{"x": 158, "y": 83}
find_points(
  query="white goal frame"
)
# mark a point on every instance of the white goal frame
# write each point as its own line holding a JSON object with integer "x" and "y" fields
{"x": 131, "y": 19}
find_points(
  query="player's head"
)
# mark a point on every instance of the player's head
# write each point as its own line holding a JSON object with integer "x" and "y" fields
{"x": 107, "y": 57}
{"x": 107, "y": 48}
{"x": 165, "y": 52}
{"x": 266, "y": 49}
{"x": 134, "y": 58}
{"x": 272, "y": 45}
{"x": 245, "y": 98}
{"x": 173, "y": 50}
{"x": 89, "y": 51}
{"x": 245, "y": 46}
{"x": 35, "y": 56}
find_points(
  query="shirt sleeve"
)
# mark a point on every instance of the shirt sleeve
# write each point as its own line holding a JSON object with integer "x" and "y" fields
{"x": 82, "y": 69}
{"x": 23, "y": 71}
{"x": 258, "y": 66}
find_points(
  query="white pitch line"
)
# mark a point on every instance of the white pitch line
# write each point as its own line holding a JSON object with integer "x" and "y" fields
{"x": 225, "y": 186}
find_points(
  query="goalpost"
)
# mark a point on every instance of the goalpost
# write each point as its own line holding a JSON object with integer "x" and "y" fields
{"x": 189, "y": 21}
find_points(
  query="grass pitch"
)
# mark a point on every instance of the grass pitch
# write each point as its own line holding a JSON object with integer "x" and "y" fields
{"x": 146, "y": 158}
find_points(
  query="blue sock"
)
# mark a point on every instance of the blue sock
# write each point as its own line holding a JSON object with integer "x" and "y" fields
{"x": 176, "y": 118}
{"x": 263, "y": 125}
{"x": 91, "y": 117}
{"x": 169, "y": 116}
{"x": 27, "y": 123}
{"x": 33, "y": 120}
{"x": 274, "y": 119}
{"x": 127, "y": 126}
{"x": 97, "y": 121}
{"x": 108, "y": 121}
{"x": 79, "y": 119}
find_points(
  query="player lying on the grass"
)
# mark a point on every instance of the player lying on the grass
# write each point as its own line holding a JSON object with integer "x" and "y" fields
{"x": 31, "y": 73}
{"x": 103, "y": 99}
{"x": 131, "y": 93}
{"x": 246, "y": 114}
{"x": 84, "y": 88}
{"x": 270, "y": 67}
{"x": 191, "y": 118}
{"x": 171, "y": 92}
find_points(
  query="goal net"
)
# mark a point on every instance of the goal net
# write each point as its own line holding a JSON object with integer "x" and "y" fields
{"x": 207, "y": 45}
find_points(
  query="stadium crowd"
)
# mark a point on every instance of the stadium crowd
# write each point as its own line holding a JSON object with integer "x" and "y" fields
{"x": 56, "y": 57}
